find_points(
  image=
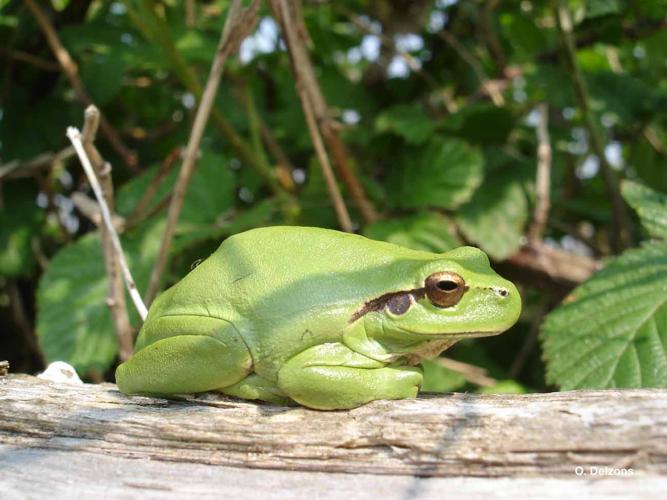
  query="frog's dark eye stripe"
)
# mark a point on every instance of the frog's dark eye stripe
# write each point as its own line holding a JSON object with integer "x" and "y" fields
{"x": 396, "y": 302}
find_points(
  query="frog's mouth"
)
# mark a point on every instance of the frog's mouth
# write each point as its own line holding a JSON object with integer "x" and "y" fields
{"x": 453, "y": 335}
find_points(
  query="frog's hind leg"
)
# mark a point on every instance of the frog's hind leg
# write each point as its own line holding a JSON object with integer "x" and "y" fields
{"x": 257, "y": 388}
{"x": 185, "y": 364}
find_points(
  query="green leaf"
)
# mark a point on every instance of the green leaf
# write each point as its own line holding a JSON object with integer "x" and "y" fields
{"x": 73, "y": 320}
{"x": 476, "y": 124}
{"x": 437, "y": 378}
{"x": 647, "y": 163}
{"x": 495, "y": 216}
{"x": 102, "y": 75}
{"x": 525, "y": 37}
{"x": 613, "y": 331}
{"x": 210, "y": 195}
{"x": 651, "y": 206}
{"x": 407, "y": 121}
{"x": 20, "y": 220}
{"x": 444, "y": 173}
{"x": 316, "y": 207}
{"x": 627, "y": 97}
{"x": 428, "y": 231}
{"x": 598, "y": 8}
{"x": 195, "y": 46}
{"x": 503, "y": 387}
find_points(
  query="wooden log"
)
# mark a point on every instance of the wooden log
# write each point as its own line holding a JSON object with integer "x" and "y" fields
{"x": 619, "y": 433}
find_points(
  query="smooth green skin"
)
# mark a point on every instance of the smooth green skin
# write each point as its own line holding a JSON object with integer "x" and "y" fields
{"x": 270, "y": 316}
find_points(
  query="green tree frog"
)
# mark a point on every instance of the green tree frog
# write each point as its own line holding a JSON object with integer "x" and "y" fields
{"x": 327, "y": 319}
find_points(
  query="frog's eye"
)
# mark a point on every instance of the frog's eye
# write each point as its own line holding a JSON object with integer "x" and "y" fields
{"x": 445, "y": 289}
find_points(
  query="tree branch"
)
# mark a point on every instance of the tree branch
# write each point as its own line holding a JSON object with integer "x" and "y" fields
{"x": 476, "y": 435}
{"x": 237, "y": 26}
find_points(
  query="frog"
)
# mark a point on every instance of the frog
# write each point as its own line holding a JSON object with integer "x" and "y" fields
{"x": 317, "y": 317}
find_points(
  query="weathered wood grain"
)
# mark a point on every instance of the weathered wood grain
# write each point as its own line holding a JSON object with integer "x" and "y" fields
{"x": 30, "y": 473}
{"x": 546, "y": 435}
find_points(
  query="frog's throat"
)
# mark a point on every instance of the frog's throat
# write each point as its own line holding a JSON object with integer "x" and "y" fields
{"x": 380, "y": 302}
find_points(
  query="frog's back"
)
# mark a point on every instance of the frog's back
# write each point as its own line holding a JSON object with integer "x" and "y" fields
{"x": 272, "y": 275}
{"x": 306, "y": 265}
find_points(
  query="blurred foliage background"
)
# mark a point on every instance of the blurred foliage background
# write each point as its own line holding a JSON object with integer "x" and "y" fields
{"x": 441, "y": 107}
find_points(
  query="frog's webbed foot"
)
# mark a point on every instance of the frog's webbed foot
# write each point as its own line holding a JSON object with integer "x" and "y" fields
{"x": 332, "y": 376}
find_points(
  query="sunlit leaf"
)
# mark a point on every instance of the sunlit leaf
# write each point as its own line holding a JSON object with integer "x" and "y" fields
{"x": 597, "y": 8}
{"x": 73, "y": 320}
{"x": 651, "y": 206}
{"x": 407, "y": 121}
{"x": 427, "y": 231}
{"x": 612, "y": 331}
{"x": 495, "y": 216}
{"x": 443, "y": 173}
{"x": 437, "y": 378}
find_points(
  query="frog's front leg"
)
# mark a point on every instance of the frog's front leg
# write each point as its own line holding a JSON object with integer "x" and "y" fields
{"x": 332, "y": 376}
{"x": 256, "y": 387}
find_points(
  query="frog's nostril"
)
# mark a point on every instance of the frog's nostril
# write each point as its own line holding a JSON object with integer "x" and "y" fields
{"x": 503, "y": 292}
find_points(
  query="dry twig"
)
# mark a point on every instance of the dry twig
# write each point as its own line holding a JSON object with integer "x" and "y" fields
{"x": 237, "y": 26}
{"x": 75, "y": 137}
{"x": 299, "y": 62}
{"x": 190, "y": 14}
{"x": 115, "y": 295}
{"x": 288, "y": 16}
{"x": 91, "y": 209}
{"x": 71, "y": 71}
{"x": 540, "y": 264}
{"x": 15, "y": 168}
{"x": 543, "y": 181}
{"x": 141, "y": 209}
{"x": 471, "y": 373}
{"x": 285, "y": 166}
{"x": 31, "y": 59}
